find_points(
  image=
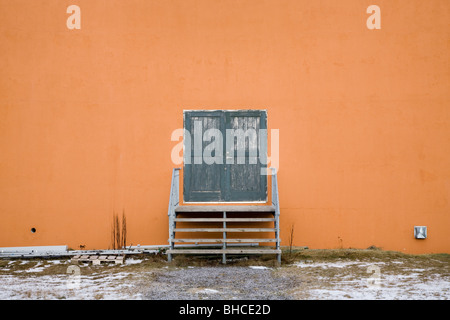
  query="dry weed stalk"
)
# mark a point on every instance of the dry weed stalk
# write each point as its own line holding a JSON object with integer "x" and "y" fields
{"x": 291, "y": 239}
{"x": 119, "y": 231}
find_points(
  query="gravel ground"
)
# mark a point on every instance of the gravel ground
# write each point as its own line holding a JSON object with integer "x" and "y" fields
{"x": 229, "y": 283}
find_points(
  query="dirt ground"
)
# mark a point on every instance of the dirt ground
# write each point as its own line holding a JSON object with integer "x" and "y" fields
{"x": 303, "y": 274}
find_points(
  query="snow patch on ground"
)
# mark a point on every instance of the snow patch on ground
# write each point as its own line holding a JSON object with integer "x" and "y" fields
{"x": 132, "y": 261}
{"x": 106, "y": 286}
{"x": 409, "y": 283}
{"x": 338, "y": 264}
{"x": 390, "y": 287}
{"x": 37, "y": 268}
{"x": 205, "y": 291}
{"x": 258, "y": 267}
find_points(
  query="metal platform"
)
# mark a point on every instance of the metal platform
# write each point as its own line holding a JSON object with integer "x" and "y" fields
{"x": 225, "y": 208}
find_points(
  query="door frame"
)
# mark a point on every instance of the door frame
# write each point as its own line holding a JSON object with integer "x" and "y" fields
{"x": 226, "y": 113}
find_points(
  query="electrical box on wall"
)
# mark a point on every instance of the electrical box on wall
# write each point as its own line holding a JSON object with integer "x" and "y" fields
{"x": 420, "y": 232}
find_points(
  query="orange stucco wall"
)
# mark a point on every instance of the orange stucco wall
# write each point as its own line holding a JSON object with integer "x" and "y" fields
{"x": 364, "y": 117}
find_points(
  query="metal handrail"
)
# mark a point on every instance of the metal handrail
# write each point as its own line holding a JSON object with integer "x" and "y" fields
{"x": 275, "y": 199}
{"x": 174, "y": 191}
{"x": 173, "y": 202}
{"x": 276, "y": 204}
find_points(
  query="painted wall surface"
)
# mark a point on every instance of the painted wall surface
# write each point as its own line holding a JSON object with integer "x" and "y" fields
{"x": 86, "y": 115}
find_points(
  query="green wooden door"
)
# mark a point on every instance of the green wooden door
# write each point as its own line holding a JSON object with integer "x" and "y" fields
{"x": 228, "y": 170}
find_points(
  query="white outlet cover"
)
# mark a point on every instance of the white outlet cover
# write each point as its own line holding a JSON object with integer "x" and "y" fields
{"x": 420, "y": 232}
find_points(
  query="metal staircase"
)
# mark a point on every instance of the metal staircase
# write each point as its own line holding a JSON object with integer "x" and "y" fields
{"x": 224, "y": 229}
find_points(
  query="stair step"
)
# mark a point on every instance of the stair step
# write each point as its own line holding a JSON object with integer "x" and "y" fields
{"x": 224, "y": 230}
{"x": 222, "y": 240}
{"x": 246, "y": 209}
{"x": 224, "y": 219}
{"x": 226, "y": 251}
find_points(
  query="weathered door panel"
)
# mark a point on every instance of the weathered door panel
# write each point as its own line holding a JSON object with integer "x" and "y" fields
{"x": 202, "y": 182}
{"x": 244, "y": 181}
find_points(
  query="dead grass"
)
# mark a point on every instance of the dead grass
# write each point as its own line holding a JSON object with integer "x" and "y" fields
{"x": 440, "y": 262}
{"x": 21, "y": 267}
{"x": 358, "y": 254}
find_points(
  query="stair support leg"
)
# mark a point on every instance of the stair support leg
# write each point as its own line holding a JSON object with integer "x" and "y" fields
{"x": 172, "y": 227}
{"x": 224, "y": 246}
{"x": 277, "y": 235}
